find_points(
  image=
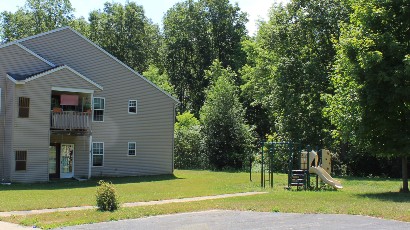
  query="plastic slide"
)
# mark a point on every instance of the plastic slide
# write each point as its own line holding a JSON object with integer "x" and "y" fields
{"x": 325, "y": 177}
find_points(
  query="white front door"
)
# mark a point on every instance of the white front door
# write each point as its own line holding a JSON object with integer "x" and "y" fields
{"x": 67, "y": 161}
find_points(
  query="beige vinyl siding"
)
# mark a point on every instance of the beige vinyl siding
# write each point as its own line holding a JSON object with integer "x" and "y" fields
{"x": 66, "y": 79}
{"x": 2, "y": 130}
{"x": 8, "y": 130}
{"x": 15, "y": 60}
{"x": 151, "y": 128}
{"x": 32, "y": 134}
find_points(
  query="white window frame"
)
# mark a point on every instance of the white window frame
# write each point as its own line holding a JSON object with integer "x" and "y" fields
{"x": 99, "y": 109}
{"x": 15, "y": 160}
{"x": 135, "y": 149}
{"x": 92, "y": 153}
{"x": 136, "y": 107}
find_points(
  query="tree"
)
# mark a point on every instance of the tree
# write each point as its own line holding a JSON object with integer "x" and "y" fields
{"x": 288, "y": 68}
{"x": 226, "y": 138}
{"x": 196, "y": 33}
{"x": 188, "y": 143}
{"x": 126, "y": 33}
{"x": 81, "y": 26}
{"x": 154, "y": 74}
{"x": 371, "y": 104}
{"x": 35, "y": 17}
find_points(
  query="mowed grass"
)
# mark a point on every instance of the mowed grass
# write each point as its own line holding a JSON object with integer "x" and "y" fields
{"x": 71, "y": 193}
{"x": 360, "y": 196}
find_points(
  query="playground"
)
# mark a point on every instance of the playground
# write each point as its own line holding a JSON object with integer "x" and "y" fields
{"x": 304, "y": 166}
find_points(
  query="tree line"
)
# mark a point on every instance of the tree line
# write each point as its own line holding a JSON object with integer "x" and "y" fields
{"x": 328, "y": 73}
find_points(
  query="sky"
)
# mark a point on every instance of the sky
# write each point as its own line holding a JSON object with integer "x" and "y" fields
{"x": 155, "y": 9}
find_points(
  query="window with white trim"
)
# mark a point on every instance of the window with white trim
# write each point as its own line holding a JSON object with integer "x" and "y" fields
{"x": 98, "y": 153}
{"x": 24, "y": 107}
{"x": 132, "y": 106}
{"x": 98, "y": 108}
{"x": 132, "y": 148}
{"x": 21, "y": 160}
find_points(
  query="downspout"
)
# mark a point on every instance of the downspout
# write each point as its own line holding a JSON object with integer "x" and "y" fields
{"x": 173, "y": 137}
{"x": 90, "y": 147}
{"x": 89, "y": 156}
{"x": 4, "y": 129}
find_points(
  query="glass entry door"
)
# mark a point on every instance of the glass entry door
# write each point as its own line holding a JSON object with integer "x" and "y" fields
{"x": 53, "y": 160}
{"x": 67, "y": 161}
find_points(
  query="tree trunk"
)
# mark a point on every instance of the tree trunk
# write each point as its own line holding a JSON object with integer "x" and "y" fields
{"x": 404, "y": 174}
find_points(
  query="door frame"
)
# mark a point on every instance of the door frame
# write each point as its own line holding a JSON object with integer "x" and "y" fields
{"x": 72, "y": 173}
{"x": 57, "y": 174}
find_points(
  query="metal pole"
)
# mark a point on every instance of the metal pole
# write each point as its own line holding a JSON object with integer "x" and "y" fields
{"x": 269, "y": 162}
{"x": 308, "y": 166}
{"x": 290, "y": 167}
{"x": 250, "y": 167}
{"x": 271, "y": 165}
{"x": 262, "y": 179}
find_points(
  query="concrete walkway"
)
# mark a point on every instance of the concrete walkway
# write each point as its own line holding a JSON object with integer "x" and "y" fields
{"x": 133, "y": 204}
{"x": 10, "y": 226}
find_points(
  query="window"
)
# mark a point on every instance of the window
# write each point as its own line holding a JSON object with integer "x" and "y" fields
{"x": 132, "y": 148}
{"x": 98, "y": 153}
{"x": 99, "y": 107}
{"x": 21, "y": 160}
{"x": 24, "y": 107}
{"x": 132, "y": 106}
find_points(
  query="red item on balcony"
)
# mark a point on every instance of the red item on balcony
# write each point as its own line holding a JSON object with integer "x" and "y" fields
{"x": 69, "y": 99}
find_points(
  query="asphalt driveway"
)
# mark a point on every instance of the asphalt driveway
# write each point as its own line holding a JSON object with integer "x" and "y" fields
{"x": 218, "y": 219}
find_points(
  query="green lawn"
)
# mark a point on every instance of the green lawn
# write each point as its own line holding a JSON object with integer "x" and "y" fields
{"x": 360, "y": 196}
{"x": 70, "y": 193}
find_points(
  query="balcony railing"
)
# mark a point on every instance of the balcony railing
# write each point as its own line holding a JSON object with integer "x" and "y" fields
{"x": 70, "y": 120}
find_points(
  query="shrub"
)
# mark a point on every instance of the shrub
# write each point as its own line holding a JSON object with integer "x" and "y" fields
{"x": 106, "y": 196}
{"x": 187, "y": 143}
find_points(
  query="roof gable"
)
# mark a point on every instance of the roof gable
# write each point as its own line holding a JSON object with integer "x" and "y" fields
{"x": 99, "y": 48}
{"x": 22, "y": 79}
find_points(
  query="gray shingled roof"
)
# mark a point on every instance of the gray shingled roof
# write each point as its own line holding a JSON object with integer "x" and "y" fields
{"x": 21, "y": 77}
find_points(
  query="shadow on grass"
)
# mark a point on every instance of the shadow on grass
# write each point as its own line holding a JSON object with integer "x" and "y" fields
{"x": 388, "y": 196}
{"x": 73, "y": 184}
{"x": 353, "y": 178}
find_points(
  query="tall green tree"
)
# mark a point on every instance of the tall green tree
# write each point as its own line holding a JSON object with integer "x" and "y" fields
{"x": 371, "y": 104}
{"x": 226, "y": 138}
{"x": 160, "y": 78}
{"x": 125, "y": 32}
{"x": 35, "y": 17}
{"x": 289, "y": 66}
{"x": 196, "y": 33}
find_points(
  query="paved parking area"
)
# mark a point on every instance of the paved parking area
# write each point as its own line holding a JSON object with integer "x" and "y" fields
{"x": 219, "y": 219}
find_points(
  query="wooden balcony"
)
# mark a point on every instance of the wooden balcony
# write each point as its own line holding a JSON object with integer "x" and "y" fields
{"x": 78, "y": 123}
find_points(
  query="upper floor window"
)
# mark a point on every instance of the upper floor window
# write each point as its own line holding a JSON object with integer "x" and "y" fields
{"x": 24, "y": 107}
{"x": 98, "y": 108}
{"x": 132, "y": 106}
{"x": 21, "y": 160}
{"x": 132, "y": 148}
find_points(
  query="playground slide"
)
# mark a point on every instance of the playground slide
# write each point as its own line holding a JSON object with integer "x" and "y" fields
{"x": 326, "y": 177}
